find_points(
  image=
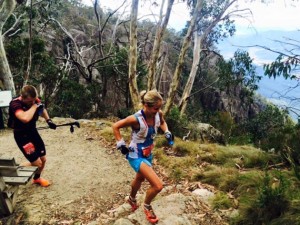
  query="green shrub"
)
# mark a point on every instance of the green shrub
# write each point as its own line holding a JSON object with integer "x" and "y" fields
{"x": 271, "y": 193}
{"x": 72, "y": 100}
{"x": 291, "y": 216}
{"x": 225, "y": 179}
{"x": 177, "y": 174}
{"x": 248, "y": 182}
{"x": 124, "y": 112}
{"x": 183, "y": 148}
{"x": 221, "y": 201}
{"x": 239, "y": 138}
{"x": 160, "y": 155}
{"x": 177, "y": 124}
{"x": 271, "y": 202}
{"x": 224, "y": 123}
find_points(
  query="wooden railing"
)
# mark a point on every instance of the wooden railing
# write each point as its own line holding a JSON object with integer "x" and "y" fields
{"x": 11, "y": 176}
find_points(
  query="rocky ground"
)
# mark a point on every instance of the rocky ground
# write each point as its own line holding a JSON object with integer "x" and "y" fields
{"x": 90, "y": 181}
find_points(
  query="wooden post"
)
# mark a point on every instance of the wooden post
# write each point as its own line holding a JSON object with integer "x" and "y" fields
{"x": 1, "y": 119}
{"x": 11, "y": 176}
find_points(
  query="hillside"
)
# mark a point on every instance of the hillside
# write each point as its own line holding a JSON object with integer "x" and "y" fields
{"x": 203, "y": 183}
{"x": 280, "y": 91}
{"x": 90, "y": 182}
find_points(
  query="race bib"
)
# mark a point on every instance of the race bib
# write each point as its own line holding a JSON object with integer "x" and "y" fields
{"x": 29, "y": 148}
{"x": 147, "y": 150}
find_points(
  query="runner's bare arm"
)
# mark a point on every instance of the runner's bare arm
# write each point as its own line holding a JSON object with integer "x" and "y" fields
{"x": 45, "y": 115}
{"x": 129, "y": 121}
{"x": 163, "y": 125}
{"x": 26, "y": 116}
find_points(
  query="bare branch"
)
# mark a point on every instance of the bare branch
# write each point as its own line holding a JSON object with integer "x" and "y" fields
{"x": 295, "y": 57}
{"x": 202, "y": 89}
{"x": 14, "y": 33}
{"x": 99, "y": 60}
{"x": 13, "y": 27}
{"x": 111, "y": 14}
{"x": 113, "y": 36}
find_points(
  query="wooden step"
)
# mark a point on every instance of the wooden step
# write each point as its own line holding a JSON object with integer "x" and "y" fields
{"x": 7, "y": 204}
{"x": 28, "y": 168}
{"x": 11, "y": 176}
{"x": 8, "y": 170}
{"x": 2, "y": 184}
{"x": 9, "y": 191}
{"x": 16, "y": 180}
{"x": 8, "y": 162}
{"x": 16, "y": 171}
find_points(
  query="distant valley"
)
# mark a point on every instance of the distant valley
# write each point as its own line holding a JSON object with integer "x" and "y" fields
{"x": 276, "y": 90}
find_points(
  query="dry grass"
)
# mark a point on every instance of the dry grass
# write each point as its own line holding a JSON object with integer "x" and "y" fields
{"x": 235, "y": 171}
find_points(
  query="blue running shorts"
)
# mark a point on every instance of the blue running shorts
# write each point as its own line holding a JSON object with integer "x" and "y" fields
{"x": 136, "y": 163}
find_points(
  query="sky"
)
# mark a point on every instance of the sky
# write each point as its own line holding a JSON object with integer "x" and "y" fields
{"x": 279, "y": 15}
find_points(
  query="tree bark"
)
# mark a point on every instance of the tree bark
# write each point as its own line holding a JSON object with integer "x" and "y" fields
{"x": 161, "y": 27}
{"x": 190, "y": 82}
{"x": 29, "y": 63}
{"x": 6, "y": 9}
{"x": 184, "y": 48}
{"x": 160, "y": 70}
{"x": 134, "y": 93}
{"x": 196, "y": 56}
{"x": 99, "y": 29}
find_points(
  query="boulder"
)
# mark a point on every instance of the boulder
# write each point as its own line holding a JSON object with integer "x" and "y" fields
{"x": 210, "y": 134}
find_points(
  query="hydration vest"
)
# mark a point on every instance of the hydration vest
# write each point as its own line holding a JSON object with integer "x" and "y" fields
{"x": 144, "y": 136}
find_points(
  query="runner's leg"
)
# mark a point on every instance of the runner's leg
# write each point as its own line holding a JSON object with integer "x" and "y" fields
{"x": 136, "y": 184}
{"x": 156, "y": 184}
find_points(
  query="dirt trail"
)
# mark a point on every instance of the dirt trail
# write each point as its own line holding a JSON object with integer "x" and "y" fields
{"x": 87, "y": 179}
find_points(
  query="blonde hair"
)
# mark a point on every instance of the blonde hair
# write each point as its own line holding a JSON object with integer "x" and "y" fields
{"x": 150, "y": 97}
{"x": 28, "y": 91}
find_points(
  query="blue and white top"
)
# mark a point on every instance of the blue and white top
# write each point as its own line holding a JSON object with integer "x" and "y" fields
{"x": 143, "y": 137}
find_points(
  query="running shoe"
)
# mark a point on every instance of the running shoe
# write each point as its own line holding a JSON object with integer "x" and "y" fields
{"x": 42, "y": 182}
{"x": 150, "y": 215}
{"x": 132, "y": 203}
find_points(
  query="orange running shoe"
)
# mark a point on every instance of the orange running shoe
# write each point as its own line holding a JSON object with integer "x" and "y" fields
{"x": 150, "y": 215}
{"x": 42, "y": 182}
{"x": 132, "y": 203}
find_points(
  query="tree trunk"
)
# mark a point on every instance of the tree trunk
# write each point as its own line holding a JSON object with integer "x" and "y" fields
{"x": 134, "y": 93}
{"x": 99, "y": 29}
{"x": 190, "y": 82}
{"x": 196, "y": 56}
{"x": 29, "y": 63}
{"x": 184, "y": 48}
{"x": 161, "y": 27}
{"x": 160, "y": 70}
{"x": 6, "y": 9}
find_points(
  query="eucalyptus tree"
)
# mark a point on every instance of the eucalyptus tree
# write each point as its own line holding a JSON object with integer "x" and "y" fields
{"x": 133, "y": 55}
{"x": 6, "y": 9}
{"x": 239, "y": 71}
{"x": 155, "y": 52}
{"x": 160, "y": 30}
{"x": 287, "y": 65}
{"x": 213, "y": 24}
{"x": 22, "y": 21}
{"x": 182, "y": 54}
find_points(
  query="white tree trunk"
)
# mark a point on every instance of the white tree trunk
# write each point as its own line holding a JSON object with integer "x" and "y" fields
{"x": 133, "y": 55}
{"x": 196, "y": 55}
{"x": 190, "y": 82}
{"x": 160, "y": 30}
{"x": 184, "y": 48}
{"x": 6, "y": 9}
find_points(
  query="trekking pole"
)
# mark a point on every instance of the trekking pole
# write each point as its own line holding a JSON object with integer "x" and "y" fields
{"x": 72, "y": 124}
